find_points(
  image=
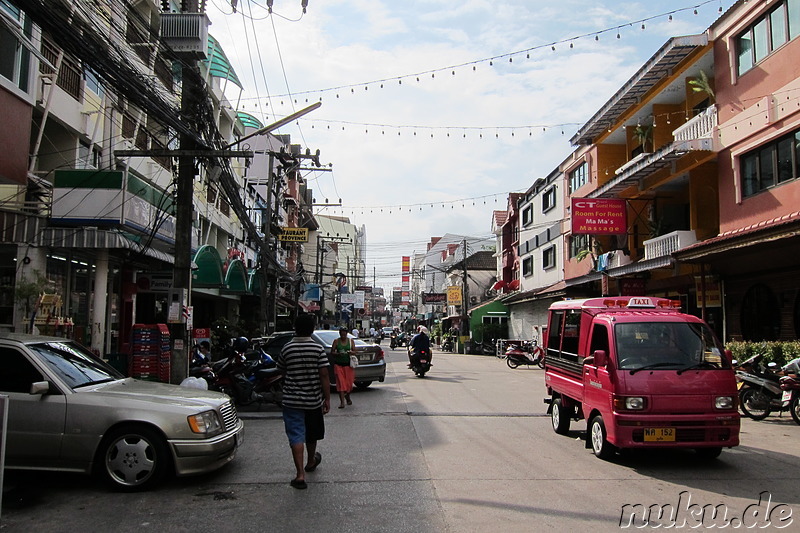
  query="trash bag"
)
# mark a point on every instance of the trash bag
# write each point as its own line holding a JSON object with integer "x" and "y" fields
{"x": 194, "y": 383}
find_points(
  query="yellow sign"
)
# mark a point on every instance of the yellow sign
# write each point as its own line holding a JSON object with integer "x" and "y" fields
{"x": 293, "y": 235}
{"x": 454, "y": 295}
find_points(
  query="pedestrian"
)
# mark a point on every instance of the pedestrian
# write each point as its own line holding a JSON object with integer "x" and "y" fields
{"x": 355, "y": 332}
{"x": 306, "y": 396}
{"x": 341, "y": 350}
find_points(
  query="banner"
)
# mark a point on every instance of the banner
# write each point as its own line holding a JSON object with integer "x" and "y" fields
{"x": 406, "y": 279}
{"x": 599, "y": 216}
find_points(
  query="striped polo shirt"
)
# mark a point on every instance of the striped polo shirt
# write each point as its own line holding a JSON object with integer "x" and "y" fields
{"x": 300, "y": 361}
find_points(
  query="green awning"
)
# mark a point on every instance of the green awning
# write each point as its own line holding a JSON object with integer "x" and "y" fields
{"x": 249, "y": 120}
{"x": 218, "y": 64}
{"x": 208, "y": 274}
{"x": 254, "y": 282}
{"x": 236, "y": 277}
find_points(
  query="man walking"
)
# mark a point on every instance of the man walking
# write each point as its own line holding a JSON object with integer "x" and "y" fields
{"x": 306, "y": 396}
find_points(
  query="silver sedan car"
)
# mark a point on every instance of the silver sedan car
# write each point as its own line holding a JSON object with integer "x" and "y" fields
{"x": 68, "y": 410}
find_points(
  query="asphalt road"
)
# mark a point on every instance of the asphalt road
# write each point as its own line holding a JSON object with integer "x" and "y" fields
{"x": 468, "y": 448}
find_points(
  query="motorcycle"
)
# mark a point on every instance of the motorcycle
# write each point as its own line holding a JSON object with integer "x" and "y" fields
{"x": 790, "y": 385}
{"x": 760, "y": 389}
{"x": 248, "y": 381}
{"x": 400, "y": 339}
{"x": 200, "y": 367}
{"x": 448, "y": 345}
{"x": 528, "y": 353}
{"x": 420, "y": 362}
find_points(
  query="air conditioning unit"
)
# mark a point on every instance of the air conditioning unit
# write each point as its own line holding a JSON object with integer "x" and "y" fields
{"x": 186, "y": 34}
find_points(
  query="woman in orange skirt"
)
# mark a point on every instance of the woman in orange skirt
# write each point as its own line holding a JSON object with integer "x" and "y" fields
{"x": 341, "y": 350}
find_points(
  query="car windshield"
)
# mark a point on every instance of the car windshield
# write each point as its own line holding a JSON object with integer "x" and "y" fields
{"x": 667, "y": 346}
{"x": 327, "y": 336}
{"x": 75, "y": 366}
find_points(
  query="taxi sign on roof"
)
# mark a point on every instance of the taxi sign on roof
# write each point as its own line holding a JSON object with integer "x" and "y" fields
{"x": 641, "y": 302}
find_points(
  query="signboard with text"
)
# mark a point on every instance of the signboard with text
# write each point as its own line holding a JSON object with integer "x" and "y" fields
{"x": 454, "y": 295}
{"x": 599, "y": 216}
{"x": 434, "y": 297}
{"x": 293, "y": 235}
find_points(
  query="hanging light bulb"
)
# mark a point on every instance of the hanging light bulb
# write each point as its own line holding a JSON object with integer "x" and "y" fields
{"x": 510, "y": 59}
{"x": 553, "y": 48}
{"x": 670, "y": 18}
{"x": 528, "y": 55}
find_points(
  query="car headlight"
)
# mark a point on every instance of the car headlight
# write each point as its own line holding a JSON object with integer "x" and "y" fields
{"x": 630, "y": 403}
{"x": 206, "y": 423}
{"x": 724, "y": 402}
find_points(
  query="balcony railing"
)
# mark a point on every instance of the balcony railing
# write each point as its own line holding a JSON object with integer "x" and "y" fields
{"x": 699, "y": 127}
{"x": 668, "y": 244}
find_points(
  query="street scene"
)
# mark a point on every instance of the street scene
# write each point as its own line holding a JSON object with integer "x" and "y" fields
{"x": 345, "y": 265}
{"x": 467, "y": 448}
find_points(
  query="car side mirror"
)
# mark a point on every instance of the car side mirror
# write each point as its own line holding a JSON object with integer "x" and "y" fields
{"x": 729, "y": 357}
{"x": 600, "y": 358}
{"x": 40, "y": 387}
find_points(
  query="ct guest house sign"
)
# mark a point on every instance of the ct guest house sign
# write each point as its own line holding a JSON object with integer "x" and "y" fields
{"x": 599, "y": 216}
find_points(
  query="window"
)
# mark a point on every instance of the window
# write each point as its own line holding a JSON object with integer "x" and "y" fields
{"x": 577, "y": 243}
{"x": 549, "y": 199}
{"x": 770, "y": 164}
{"x": 577, "y": 178}
{"x": 527, "y": 215}
{"x": 527, "y": 266}
{"x": 15, "y": 59}
{"x": 18, "y": 373}
{"x": 549, "y": 258}
{"x": 768, "y": 34}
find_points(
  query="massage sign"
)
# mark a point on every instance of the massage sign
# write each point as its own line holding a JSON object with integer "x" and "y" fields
{"x": 599, "y": 216}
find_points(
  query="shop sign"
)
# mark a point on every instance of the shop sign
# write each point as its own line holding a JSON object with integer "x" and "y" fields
{"x": 599, "y": 216}
{"x": 713, "y": 291}
{"x": 434, "y": 297}
{"x": 293, "y": 235}
{"x": 454, "y": 295}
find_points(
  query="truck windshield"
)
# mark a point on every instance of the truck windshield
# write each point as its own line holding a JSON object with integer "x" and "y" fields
{"x": 667, "y": 346}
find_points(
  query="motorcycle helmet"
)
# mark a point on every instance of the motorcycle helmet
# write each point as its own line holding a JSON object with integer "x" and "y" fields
{"x": 241, "y": 344}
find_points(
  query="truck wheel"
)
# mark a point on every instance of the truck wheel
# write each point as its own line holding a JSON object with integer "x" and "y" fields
{"x": 560, "y": 417}
{"x": 709, "y": 453}
{"x": 600, "y": 445}
{"x": 755, "y": 404}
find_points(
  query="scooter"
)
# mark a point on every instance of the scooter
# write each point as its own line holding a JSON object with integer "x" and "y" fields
{"x": 420, "y": 362}
{"x": 248, "y": 381}
{"x": 760, "y": 390}
{"x": 529, "y": 353}
{"x": 448, "y": 345}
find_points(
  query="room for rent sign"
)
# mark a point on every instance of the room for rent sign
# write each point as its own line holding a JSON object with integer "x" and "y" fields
{"x": 599, "y": 216}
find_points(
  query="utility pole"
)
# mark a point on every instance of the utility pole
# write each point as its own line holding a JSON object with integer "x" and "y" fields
{"x": 465, "y": 294}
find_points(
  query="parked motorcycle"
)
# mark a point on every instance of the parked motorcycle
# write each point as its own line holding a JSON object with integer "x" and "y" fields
{"x": 790, "y": 385}
{"x": 248, "y": 380}
{"x": 760, "y": 390}
{"x": 420, "y": 362}
{"x": 528, "y": 353}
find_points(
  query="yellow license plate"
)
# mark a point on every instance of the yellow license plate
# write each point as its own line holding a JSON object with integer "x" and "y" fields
{"x": 659, "y": 434}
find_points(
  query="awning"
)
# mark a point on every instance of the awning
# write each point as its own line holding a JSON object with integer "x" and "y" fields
{"x": 96, "y": 238}
{"x": 208, "y": 274}
{"x": 249, "y": 120}
{"x": 218, "y": 64}
{"x": 254, "y": 282}
{"x": 236, "y": 277}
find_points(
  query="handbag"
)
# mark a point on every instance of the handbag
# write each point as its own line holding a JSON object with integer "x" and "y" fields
{"x": 353, "y": 361}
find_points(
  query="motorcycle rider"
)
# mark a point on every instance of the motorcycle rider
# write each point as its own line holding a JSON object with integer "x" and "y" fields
{"x": 418, "y": 342}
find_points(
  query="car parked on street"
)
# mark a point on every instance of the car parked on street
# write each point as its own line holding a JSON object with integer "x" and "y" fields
{"x": 371, "y": 363}
{"x": 69, "y": 410}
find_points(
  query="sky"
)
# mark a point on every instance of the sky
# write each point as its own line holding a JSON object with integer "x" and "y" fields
{"x": 434, "y": 110}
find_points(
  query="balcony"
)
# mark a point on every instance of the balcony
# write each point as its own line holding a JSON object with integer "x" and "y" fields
{"x": 666, "y": 245}
{"x": 700, "y": 127}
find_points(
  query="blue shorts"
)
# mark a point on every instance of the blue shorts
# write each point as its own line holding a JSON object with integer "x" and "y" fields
{"x": 303, "y": 425}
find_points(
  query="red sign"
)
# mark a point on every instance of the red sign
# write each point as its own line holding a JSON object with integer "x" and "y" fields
{"x": 599, "y": 216}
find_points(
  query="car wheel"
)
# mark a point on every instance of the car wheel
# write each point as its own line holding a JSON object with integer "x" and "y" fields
{"x": 600, "y": 445}
{"x": 362, "y": 384}
{"x": 560, "y": 417}
{"x": 134, "y": 458}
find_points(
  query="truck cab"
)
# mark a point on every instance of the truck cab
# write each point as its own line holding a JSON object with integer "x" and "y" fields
{"x": 640, "y": 374}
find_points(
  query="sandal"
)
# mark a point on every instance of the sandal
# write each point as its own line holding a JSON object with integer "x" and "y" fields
{"x": 317, "y": 461}
{"x": 299, "y": 484}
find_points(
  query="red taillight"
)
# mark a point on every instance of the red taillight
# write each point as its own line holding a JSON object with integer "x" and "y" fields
{"x": 380, "y": 354}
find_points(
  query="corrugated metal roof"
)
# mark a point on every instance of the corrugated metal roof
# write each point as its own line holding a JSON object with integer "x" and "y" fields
{"x": 657, "y": 68}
